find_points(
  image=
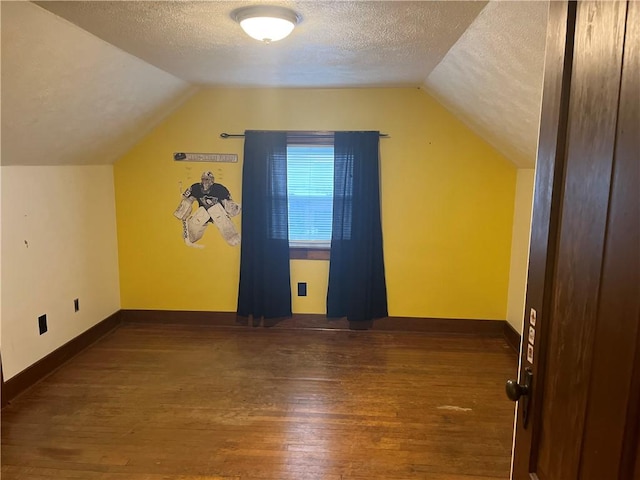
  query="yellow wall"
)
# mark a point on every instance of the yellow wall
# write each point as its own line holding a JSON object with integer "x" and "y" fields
{"x": 447, "y": 203}
{"x": 520, "y": 248}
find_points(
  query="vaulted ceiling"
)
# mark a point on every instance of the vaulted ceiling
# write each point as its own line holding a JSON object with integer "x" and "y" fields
{"x": 83, "y": 81}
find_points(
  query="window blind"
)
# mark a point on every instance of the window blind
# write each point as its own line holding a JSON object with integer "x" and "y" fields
{"x": 310, "y": 194}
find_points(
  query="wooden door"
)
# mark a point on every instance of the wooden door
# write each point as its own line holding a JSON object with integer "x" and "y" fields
{"x": 582, "y": 344}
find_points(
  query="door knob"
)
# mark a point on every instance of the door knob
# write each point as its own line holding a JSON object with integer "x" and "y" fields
{"x": 517, "y": 391}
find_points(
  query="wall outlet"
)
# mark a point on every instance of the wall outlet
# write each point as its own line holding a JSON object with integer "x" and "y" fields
{"x": 302, "y": 289}
{"x": 42, "y": 323}
{"x": 76, "y": 305}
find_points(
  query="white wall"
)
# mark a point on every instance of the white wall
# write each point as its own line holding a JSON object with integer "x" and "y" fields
{"x": 520, "y": 248}
{"x": 58, "y": 243}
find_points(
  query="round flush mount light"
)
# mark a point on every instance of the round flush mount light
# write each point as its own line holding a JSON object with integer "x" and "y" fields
{"x": 266, "y": 23}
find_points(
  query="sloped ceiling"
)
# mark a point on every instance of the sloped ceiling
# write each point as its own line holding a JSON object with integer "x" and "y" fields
{"x": 83, "y": 81}
{"x": 492, "y": 77}
{"x": 71, "y": 98}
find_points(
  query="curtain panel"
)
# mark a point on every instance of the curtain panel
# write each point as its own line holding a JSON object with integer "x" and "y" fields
{"x": 265, "y": 278}
{"x": 357, "y": 288}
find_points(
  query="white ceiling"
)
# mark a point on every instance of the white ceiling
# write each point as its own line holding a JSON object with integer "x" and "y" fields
{"x": 337, "y": 44}
{"x": 69, "y": 98}
{"x": 83, "y": 80}
{"x": 492, "y": 77}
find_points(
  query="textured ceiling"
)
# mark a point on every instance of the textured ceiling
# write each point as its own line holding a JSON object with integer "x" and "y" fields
{"x": 492, "y": 77}
{"x": 70, "y": 98}
{"x": 83, "y": 81}
{"x": 337, "y": 44}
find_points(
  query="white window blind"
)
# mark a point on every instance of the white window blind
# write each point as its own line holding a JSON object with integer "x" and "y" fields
{"x": 310, "y": 194}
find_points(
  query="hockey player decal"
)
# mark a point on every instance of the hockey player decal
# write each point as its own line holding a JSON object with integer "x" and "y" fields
{"x": 214, "y": 206}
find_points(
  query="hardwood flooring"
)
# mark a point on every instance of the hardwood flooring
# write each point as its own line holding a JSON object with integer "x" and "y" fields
{"x": 159, "y": 402}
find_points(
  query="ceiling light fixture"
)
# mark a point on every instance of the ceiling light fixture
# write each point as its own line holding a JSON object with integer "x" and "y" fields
{"x": 266, "y": 23}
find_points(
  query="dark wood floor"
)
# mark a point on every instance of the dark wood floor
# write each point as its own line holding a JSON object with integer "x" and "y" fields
{"x": 156, "y": 402}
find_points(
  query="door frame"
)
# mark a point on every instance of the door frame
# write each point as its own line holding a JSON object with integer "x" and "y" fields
{"x": 547, "y": 202}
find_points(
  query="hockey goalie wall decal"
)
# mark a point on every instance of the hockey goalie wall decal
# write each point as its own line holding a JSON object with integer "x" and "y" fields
{"x": 215, "y": 206}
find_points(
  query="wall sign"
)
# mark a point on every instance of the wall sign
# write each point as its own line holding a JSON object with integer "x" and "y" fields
{"x": 205, "y": 157}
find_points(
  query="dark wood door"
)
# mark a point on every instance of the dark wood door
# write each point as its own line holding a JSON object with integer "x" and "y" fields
{"x": 581, "y": 337}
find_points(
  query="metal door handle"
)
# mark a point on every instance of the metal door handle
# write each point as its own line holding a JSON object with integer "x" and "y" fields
{"x": 517, "y": 391}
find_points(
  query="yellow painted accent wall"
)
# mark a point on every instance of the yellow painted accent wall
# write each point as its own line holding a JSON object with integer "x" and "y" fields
{"x": 520, "y": 248}
{"x": 447, "y": 202}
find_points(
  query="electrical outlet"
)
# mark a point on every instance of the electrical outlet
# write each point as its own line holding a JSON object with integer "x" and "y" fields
{"x": 302, "y": 289}
{"x": 42, "y": 323}
{"x": 76, "y": 305}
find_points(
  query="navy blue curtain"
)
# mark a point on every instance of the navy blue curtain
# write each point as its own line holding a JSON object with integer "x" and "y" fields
{"x": 357, "y": 288}
{"x": 265, "y": 278}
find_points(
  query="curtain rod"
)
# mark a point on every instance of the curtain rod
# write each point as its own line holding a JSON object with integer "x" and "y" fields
{"x": 295, "y": 134}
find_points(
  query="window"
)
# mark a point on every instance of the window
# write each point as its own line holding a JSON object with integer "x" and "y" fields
{"x": 310, "y": 195}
